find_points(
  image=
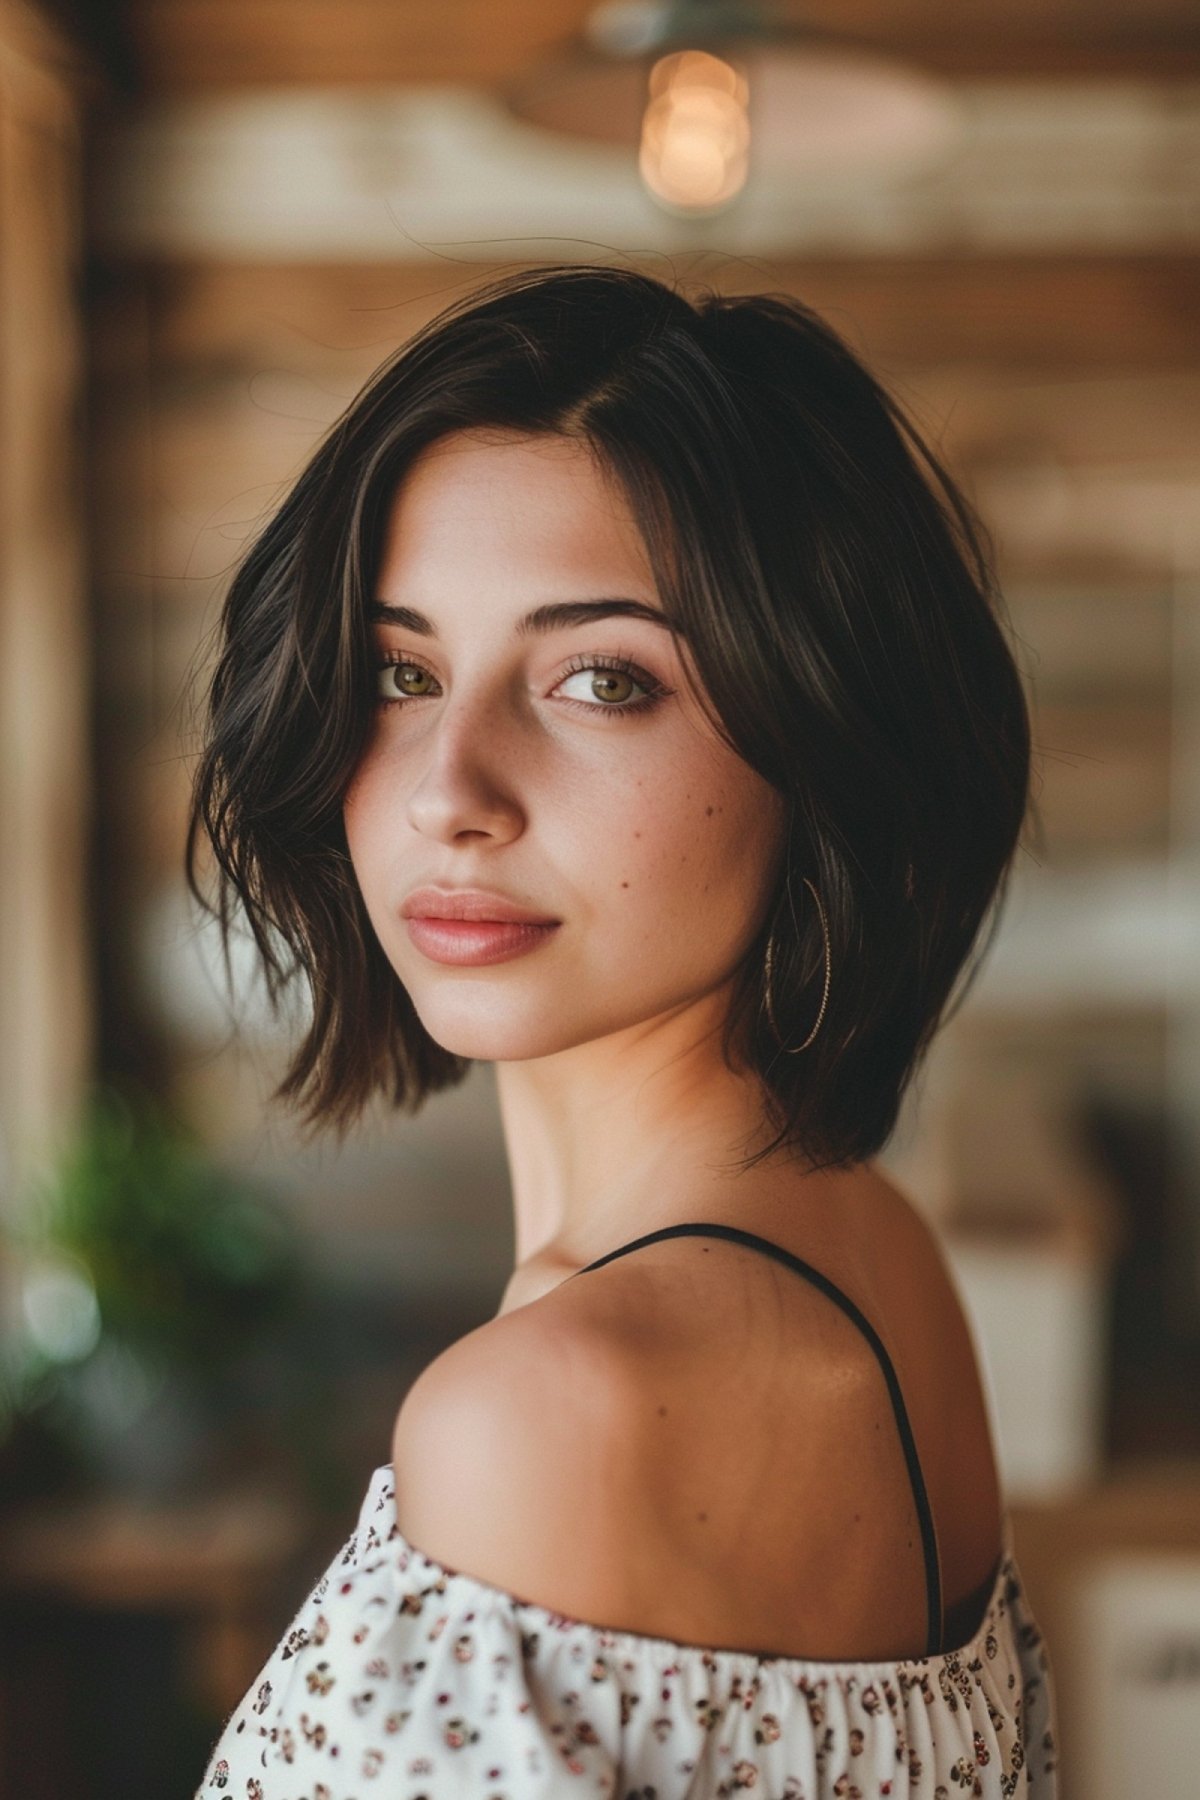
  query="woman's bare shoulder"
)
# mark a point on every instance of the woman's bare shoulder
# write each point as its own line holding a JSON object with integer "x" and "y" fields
{"x": 661, "y": 1469}
{"x": 748, "y": 1346}
{"x": 739, "y": 1348}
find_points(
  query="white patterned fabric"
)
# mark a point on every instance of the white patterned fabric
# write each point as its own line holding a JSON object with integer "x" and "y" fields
{"x": 402, "y": 1678}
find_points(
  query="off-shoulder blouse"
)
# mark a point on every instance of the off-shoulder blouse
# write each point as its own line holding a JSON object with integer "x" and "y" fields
{"x": 401, "y": 1676}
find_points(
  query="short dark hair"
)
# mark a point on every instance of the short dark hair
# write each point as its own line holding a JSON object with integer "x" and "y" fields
{"x": 836, "y": 591}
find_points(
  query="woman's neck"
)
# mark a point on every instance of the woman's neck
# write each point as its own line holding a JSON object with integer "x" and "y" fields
{"x": 615, "y": 1137}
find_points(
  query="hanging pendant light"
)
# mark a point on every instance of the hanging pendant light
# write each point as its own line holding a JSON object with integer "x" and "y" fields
{"x": 707, "y": 91}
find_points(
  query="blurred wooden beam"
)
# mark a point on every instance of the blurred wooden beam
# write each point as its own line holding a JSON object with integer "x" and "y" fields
{"x": 45, "y": 990}
{"x": 1032, "y": 312}
{"x": 185, "y": 45}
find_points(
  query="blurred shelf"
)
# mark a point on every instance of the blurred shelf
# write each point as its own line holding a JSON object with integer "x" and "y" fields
{"x": 221, "y": 1565}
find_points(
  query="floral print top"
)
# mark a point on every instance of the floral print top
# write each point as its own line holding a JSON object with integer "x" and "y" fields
{"x": 405, "y": 1678}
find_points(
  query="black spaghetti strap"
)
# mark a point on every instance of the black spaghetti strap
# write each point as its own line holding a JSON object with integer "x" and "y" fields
{"x": 933, "y": 1586}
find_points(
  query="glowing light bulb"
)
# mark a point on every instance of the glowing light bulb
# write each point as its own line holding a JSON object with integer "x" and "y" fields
{"x": 695, "y": 146}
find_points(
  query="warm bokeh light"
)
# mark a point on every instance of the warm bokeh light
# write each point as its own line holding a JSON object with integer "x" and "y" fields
{"x": 695, "y": 148}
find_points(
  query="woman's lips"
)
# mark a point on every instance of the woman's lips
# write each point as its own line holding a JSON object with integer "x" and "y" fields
{"x": 476, "y": 941}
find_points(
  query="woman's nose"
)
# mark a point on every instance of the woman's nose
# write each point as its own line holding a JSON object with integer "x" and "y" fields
{"x": 465, "y": 781}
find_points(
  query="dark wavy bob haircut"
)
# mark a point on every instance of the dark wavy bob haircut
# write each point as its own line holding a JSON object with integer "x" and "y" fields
{"x": 836, "y": 593}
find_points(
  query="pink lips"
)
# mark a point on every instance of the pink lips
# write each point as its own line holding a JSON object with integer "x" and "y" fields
{"x": 472, "y": 925}
{"x": 475, "y": 940}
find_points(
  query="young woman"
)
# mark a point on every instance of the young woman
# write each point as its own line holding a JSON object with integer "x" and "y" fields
{"x": 620, "y": 698}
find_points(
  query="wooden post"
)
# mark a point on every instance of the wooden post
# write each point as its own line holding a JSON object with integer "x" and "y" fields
{"x": 45, "y": 1029}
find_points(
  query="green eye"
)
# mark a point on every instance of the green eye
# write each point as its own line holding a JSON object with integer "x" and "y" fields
{"x": 397, "y": 679}
{"x": 611, "y": 679}
{"x": 610, "y": 686}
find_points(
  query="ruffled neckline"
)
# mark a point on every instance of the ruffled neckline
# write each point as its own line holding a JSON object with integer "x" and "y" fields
{"x": 1005, "y": 1584}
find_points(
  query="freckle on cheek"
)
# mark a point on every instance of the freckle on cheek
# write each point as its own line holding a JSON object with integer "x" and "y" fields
{"x": 708, "y": 811}
{"x": 624, "y": 884}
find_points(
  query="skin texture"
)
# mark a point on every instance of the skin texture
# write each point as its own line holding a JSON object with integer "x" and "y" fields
{"x": 615, "y": 1397}
{"x": 653, "y": 842}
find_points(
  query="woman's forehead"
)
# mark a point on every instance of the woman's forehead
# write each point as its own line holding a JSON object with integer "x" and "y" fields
{"x": 508, "y": 514}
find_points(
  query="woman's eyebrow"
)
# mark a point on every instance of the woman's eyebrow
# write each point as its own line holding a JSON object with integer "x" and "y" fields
{"x": 555, "y": 615}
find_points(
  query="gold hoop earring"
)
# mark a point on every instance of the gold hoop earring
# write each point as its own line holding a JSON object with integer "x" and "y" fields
{"x": 825, "y": 994}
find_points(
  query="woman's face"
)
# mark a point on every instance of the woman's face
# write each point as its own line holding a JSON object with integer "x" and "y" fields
{"x": 526, "y": 760}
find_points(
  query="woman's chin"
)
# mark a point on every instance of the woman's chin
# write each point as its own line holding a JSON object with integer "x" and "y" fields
{"x": 500, "y": 1041}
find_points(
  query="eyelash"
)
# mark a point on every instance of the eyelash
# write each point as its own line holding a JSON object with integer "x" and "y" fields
{"x": 622, "y": 665}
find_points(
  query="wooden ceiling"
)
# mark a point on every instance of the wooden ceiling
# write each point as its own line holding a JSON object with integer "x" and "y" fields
{"x": 1078, "y": 315}
{"x": 181, "y": 46}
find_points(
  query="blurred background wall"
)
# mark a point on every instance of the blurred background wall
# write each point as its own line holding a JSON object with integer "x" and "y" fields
{"x": 217, "y": 217}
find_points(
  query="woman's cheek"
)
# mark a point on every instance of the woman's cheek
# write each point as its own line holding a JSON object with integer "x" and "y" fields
{"x": 363, "y": 839}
